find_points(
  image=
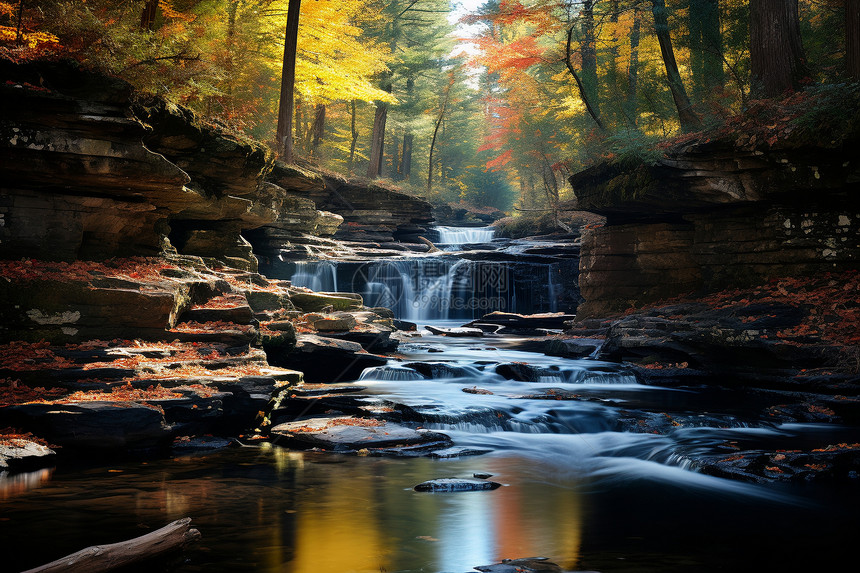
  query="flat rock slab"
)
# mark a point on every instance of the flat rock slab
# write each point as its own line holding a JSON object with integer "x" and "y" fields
{"x": 351, "y": 433}
{"x": 458, "y": 331}
{"x": 450, "y": 485}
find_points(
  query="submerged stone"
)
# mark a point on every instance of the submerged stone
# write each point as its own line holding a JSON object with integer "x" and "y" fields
{"x": 450, "y": 485}
{"x": 523, "y": 565}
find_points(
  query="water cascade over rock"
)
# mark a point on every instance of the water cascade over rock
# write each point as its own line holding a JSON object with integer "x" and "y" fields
{"x": 452, "y": 238}
{"x": 498, "y": 275}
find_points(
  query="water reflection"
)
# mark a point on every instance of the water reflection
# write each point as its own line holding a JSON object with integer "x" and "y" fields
{"x": 272, "y": 510}
{"x": 17, "y": 484}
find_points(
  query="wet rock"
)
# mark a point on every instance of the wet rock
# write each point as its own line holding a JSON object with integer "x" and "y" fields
{"x": 512, "y": 322}
{"x": 241, "y": 313}
{"x": 198, "y": 410}
{"x": 94, "y": 426}
{"x": 323, "y": 359}
{"x": 524, "y": 565}
{"x": 21, "y": 454}
{"x": 316, "y": 302}
{"x": 572, "y": 347}
{"x": 335, "y": 323}
{"x": 371, "y": 337}
{"x": 837, "y": 462}
{"x": 476, "y": 390}
{"x": 74, "y": 310}
{"x": 449, "y": 485}
{"x": 457, "y": 331}
{"x": 482, "y": 476}
{"x": 528, "y": 373}
{"x": 351, "y": 434}
{"x": 405, "y": 325}
{"x": 436, "y": 370}
{"x": 187, "y": 445}
{"x": 262, "y": 301}
{"x": 458, "y": 452}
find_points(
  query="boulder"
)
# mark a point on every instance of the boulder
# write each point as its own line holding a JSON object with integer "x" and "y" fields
{"x": 93, "y": 426}
{"x": 323, "y": 359}
{"x": 526, "y": 372}
{"x": 316, "y": 302}
{"x": 572, "y": 347}
{"x": 335, "y": 323}
{"x": 20, "y": 453}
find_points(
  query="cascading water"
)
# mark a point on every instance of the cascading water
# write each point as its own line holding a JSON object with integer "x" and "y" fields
{"x": 434, "y": 288}
{"x": 320, "y": 276}
{"x": 452, "y": 238}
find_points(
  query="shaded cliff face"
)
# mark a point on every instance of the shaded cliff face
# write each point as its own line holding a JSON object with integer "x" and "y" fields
{"x": 715, "y": 214}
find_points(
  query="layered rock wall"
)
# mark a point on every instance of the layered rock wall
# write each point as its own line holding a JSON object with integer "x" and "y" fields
{"x": 89, "y": 170}
{"x": 711, "y": 216}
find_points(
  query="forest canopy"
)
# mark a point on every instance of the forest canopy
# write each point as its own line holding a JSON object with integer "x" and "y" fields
{"x": 491, "y": 104}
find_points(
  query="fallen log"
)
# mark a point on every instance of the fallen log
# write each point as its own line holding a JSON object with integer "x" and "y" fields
{"x": 172, "y": 536}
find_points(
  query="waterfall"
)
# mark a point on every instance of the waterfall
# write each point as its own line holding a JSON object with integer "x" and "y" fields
{"x": 452, "y": 238}
{"x": 437, "y": 287}
{"x": 319, "y": 276}
{"x": 415, "y": 289}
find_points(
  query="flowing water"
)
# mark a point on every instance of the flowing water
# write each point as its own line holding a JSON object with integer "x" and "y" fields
{"x": 453, "y": 238}
{"x": 442, "y": 286}
{"x": 582, "y": 484}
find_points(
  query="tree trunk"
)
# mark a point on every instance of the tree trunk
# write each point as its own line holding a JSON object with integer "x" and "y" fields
{"x": 436, "y": 131}
{"x": 284, "y": 132}
{"x": 395, "y": 159}
{"x": 588, "y": 49}
{"x": 230, "y": 42}
{"x": 318, "y": 130}
{"x": 630, "y": 103}
{"x": 377, "y": 137}
{"x": 109, "y": 557}
{"x": 147, "y": 17}
{"x": 688, "y": 118}
{"x": 777, "y": 61}
{"x": 706, "y": 48}
{"x": 406, "y": 153}
{"x": 852, "y": 38}
{"x": 354, "y": 133}
{"x": 582, "y": 90}
{"x": 377, "y": 141}
{"x": 406, "y": 157}
{"x": 19, "y": 33}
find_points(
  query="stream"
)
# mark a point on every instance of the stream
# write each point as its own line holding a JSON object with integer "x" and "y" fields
{"x": 579, "y": 486}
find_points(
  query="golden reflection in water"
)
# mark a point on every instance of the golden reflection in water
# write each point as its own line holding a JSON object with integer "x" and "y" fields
{"x": 360, "y": 522}
{"x": 530, "y": 521}
{"x": 338, "y": 530}
{"x": 16, "y": 484}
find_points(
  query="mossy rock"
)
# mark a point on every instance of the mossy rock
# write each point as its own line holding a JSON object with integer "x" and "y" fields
{"x": 316, "y": 302}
